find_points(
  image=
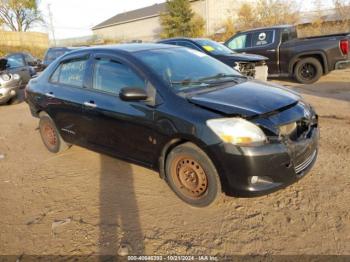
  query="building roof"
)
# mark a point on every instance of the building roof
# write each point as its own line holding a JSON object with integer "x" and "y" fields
{"x": 149, "y": 11}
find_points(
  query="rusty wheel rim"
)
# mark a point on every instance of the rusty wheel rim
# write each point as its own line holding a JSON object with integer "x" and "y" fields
{"x": 189, "y": 177}
{"x": 49, "y": 135}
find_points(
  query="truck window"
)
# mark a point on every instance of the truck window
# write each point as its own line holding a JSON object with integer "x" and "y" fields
{"x": 288, "y": 34}
{"x": 240, "y": 42}
{"x": 263, "y": 38}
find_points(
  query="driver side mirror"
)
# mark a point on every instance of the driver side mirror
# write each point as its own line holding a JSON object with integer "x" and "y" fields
{"x": 133, "y": 94}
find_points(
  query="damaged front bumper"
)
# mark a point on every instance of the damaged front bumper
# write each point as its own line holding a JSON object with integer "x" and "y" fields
{"x": 259, "y": 170}
{"x": 254, "y": 171}
{"x": 257, "y": 71}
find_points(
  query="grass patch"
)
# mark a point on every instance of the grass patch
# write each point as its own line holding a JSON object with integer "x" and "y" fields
{"x": 38, "y": 52}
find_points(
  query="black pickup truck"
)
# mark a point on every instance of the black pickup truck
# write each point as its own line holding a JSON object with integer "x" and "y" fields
{"x": 307, "y": 59}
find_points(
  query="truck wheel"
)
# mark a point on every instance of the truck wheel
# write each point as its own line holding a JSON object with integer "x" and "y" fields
{"x": 50, "y": 135}
{"x": 308, "y": 70}
{"x": 192, "y": 176}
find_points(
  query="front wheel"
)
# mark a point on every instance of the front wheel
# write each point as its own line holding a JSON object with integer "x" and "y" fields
{"x": 192, "y": 176}
{"x": 308, "y": 70}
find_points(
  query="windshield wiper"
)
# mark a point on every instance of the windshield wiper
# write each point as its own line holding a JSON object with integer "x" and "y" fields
{"x": 187, "y": 82}
{"x": 220, "y": 76}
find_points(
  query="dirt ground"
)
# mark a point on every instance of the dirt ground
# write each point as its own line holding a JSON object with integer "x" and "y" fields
{"x": 80, "y": 202}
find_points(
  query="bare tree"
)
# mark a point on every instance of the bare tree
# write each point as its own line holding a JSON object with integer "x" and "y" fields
{"x": 276, "y": 12}
{"x": 342, "y": 8}
{"x": 19, "y": 15}
{"x": 267, "y": 13}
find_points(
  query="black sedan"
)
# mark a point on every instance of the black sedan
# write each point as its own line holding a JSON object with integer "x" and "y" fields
{"x": 247, "y": 64}
{"x": 202, "y": 125}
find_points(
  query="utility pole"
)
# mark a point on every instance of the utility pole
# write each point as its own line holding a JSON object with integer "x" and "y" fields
{"x": 52, "y": 29}
{"x": 207, "y": 16}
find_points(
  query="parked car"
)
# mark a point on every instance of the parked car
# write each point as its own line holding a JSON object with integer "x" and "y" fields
{"x": 201, "y": 124}
{"x": 23, "y": 65}
{"x": 307, "y": 59}
{"x": 9, "y": 83}
{"x": 53, "y": 53}
{"x": 248, "y": 64}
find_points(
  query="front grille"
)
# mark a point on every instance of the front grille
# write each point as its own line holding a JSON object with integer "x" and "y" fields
{"x": 304, "y": 165}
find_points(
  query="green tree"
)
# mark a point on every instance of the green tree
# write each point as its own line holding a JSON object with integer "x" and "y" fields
{"x": 19, "y": 15}
{"x": 180, "y": 20}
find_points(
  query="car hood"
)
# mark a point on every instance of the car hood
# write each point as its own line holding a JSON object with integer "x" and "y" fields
{"x": 247, "y": 99}
{"x": 237, "y": 57}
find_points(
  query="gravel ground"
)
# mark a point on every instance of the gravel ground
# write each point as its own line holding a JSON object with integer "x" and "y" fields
{"x": 80, "y": 202}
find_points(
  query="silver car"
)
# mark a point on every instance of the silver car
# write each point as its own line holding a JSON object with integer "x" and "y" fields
{"x": 9, "y": 86}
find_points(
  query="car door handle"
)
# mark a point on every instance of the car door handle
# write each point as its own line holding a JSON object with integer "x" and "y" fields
{"x": 271, "y": 50}
{"x": 90, "y": 104}
{"x": 50, "y": 95}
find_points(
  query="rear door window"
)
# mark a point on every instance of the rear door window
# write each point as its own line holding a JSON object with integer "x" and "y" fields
{"x": 262, "y": 38}
{"x": 70, "y": 72}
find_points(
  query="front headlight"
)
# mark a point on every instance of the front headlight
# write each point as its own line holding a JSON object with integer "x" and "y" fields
{"x": 16, "y": 76}
{"x": 6, "y": 77}
{"x": 237, "y": 131}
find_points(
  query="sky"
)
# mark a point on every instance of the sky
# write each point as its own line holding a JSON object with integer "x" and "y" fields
{"x": 74, "y": 18}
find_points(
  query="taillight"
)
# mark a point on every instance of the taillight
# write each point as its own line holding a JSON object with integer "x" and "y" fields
{"x": 344, "y": 46}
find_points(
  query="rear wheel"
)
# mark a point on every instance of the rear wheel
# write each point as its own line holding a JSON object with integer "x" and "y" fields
{"x": 308, "y": 70}
{"x": 49, "y": 134}
{"x": 192, "y": 176}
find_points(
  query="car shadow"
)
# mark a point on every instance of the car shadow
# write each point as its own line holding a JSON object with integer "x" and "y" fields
{"x": 120, "y": 228}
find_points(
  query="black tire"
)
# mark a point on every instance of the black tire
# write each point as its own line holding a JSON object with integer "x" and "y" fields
{"x": 308, "y": 70}
{"x": 50, "y": 135}
{"x": 192, "y": 176}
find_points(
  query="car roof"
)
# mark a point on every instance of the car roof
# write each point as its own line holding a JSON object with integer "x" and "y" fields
{"x": 185, "y": 39}
{"x": 129, "y": 48}
{"x": 177, "y": 38}
{"x": 62, "y": 48}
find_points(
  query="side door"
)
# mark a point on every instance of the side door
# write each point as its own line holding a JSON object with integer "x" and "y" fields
{"x": 262, "y": 42}
{"x": 114, "y": 126}
{"x": 17, "y": 65}
{"x": 65, "y": 94}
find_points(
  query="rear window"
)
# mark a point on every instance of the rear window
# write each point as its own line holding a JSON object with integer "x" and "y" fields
{"x": 53, "y": 54}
